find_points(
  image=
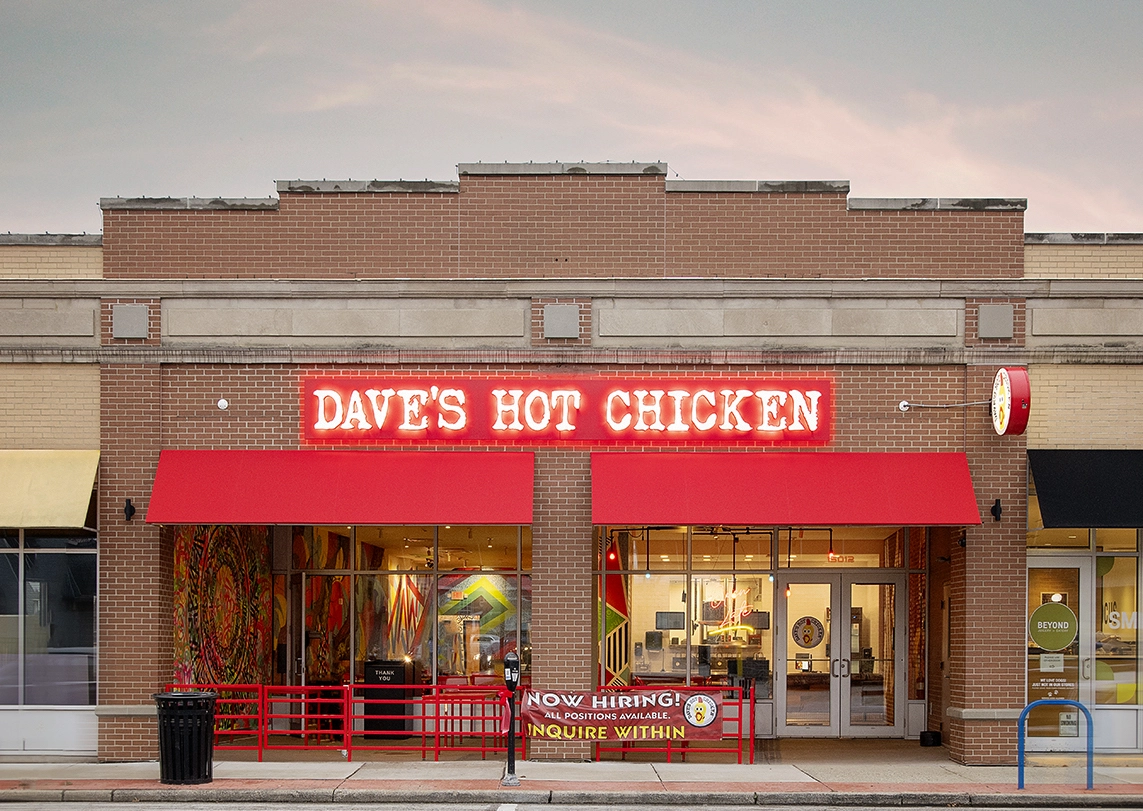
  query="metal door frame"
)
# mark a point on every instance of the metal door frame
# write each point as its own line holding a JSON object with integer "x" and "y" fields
{"x": 840, "y": 657}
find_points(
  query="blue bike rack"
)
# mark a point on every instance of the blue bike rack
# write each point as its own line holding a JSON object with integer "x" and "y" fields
{"x": 1090, "y": 735}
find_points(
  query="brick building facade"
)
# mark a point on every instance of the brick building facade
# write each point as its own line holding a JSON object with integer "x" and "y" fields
{"x": 205, "y": 325}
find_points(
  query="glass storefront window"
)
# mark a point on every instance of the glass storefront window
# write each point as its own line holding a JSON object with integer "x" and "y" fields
{"x": 392, "y": 613}
{"x": 732, "y": 635}
{"x": 394, "y": 548}
{"x": 1059, "y": 539}
{"x": 683, "y": 604}
{"x": 390, "y": 593}
{"x": 477, "y": 547}
{"x": 731, "y": 548}
{"x": 59, "y": 629}
{"x": 1117, "y": 631}
{"x": 656, "y": 609}
{"x": 48, "y": 581}
{"x": 841, "y": 547}
{"x": 1116, "y": 540}
{"x": 59, "y": 539}
{"x": 477, "y": 624}
{"x": 321, "y": 547}
{"x": 645, "y": 548}
{"x": 9, "y": 628}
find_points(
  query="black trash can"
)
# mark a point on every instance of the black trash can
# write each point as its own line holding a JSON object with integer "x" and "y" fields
{"x": 186, "y": 736}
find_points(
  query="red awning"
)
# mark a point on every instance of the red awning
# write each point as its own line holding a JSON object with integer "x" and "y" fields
{"x": 341, "y": 487}
{"x": 827, "y": 489}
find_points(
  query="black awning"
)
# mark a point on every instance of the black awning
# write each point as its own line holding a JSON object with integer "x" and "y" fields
{"x": 1089, "y": 488}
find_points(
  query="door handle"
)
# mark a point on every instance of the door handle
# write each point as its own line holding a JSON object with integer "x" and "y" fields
{"x": 833, "y": 667}
{"x": 1085, "y": 671}
{"x": 845, "y": 668}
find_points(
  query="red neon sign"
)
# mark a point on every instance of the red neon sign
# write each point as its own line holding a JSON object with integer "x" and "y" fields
{"x": 460, "y": 410}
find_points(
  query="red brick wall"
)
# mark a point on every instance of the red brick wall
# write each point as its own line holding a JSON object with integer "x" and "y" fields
{"x": 135, "y": 564}
{"x": 563, "y": 627}
{"x": 561, "y": 226}
{"x": 262, "y": 407}
{"x": 128, "y": 738}
{"x": 988, "y": 578}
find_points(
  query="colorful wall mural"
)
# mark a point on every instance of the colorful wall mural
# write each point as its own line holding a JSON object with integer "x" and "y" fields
{"x": 222, "y": 597}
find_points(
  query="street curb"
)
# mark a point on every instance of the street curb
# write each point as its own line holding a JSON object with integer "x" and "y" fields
{"x": 448, "y": 796}
{"x": 561, "y": 798}
{"x": 223, "y": 795}
{"x": 31, "y": 795}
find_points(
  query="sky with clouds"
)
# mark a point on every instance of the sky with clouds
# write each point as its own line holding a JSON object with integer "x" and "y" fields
{"x": 1038, "y": 99}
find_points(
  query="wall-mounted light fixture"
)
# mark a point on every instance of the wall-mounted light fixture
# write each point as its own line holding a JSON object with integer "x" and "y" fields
{"x": 996, "y": 510}
{"x": 128, "y": 510}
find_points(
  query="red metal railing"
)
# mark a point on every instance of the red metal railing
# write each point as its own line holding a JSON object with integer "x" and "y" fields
{"x": 428, "y": 719}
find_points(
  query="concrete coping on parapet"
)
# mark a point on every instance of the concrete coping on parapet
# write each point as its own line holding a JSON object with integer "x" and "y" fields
{"x": 368, "y": 186}
{"x": 189, "y": 203}
{"x": 48, "y": 240}
{"x": 1083, "y": 239}
{"x": 759, "y": 186}
{"x": 608, "y": 168}
{"x": 938, "y": 204}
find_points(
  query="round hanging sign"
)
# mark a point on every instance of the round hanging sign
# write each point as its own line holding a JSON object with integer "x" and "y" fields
{"x": 1053, "y": 626}
{"x": 1011, "y": 401}
{"x": 808, "y": 632}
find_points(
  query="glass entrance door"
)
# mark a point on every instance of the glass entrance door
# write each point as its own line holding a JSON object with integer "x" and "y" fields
{"x": 1061, "y": 650}
{"x": 325, "y": 643}
{"x": 840, "y": 654}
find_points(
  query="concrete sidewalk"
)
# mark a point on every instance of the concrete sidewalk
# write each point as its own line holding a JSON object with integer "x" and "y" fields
{"x": 796, "y": 773}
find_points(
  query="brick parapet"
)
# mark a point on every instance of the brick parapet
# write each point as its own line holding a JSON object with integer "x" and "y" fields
{"x": 562, "y": 226}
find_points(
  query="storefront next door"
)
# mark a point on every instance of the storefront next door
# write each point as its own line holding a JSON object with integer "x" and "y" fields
{"x": 840, "y": 659}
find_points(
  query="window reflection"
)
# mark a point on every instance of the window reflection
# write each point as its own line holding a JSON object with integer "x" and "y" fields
{"x": 1117, "y": 631}
{"x": 59, "y": 629}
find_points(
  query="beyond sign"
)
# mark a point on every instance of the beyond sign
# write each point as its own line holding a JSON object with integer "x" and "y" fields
{"x": 742, "y": 411}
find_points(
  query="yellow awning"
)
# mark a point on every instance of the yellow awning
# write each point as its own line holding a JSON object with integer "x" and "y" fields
{"x": 46, "y": 488}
